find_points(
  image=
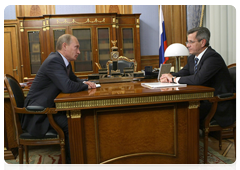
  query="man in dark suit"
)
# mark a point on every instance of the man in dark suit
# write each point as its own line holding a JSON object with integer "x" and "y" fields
{"x": 54, "y": 76}
{"x": 206, "y": 67}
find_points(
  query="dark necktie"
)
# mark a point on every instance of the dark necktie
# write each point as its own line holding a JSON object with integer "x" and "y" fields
{"x": 195, "y": 66}
{"x": 68, "y": 69}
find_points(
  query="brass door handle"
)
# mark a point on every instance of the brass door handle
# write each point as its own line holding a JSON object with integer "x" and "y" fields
{"x": 16, "y": 69}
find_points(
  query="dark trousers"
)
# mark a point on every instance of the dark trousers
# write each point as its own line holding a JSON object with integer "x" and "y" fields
{"x": 61, "y": 119}
{"x": 204, "y": 109}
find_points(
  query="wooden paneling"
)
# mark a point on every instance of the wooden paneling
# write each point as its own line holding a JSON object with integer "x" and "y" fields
{"x": 11, "y": 50}
{"x": 10, "y": 142}
{"x": 153, "y": 60}
{"x": 175, "y": 25}
{"x": 120, "y": 9}
{"x": 34, "y": 10}
{"x": 46, "y": 24}
{"x": 11, "y": 62}
{"x": 150, "y": 60}
{"x": 174, "y": 16}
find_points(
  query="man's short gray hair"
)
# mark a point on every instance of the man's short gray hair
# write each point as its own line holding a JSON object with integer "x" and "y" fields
{"x": 65, "y": 38}
{"x": 202, "y": 33}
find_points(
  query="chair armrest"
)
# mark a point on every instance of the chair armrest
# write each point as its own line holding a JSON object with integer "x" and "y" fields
{"x": 211, "y": 113}
{"x": 226, "y": 96}
{"x": 35, "y": 108}
{"x": 214, "y": 101}
{"x": 56, "y": 127}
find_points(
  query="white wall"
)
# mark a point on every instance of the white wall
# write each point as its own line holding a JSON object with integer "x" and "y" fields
{"x": 221, "y": 21}
{"x": 149, "y": 28}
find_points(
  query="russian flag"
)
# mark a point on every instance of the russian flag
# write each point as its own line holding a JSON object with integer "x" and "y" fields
{"x": 162, "y": 39}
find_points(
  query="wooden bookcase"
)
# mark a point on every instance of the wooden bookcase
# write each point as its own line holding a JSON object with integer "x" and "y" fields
{"x": 38, "y": 36}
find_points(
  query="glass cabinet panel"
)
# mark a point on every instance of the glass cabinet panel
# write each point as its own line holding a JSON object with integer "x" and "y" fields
{"x": 34, "y": 51}
{"x": 103, "y": 46}
{"x": 84, "y": 60}
{"x": 57, "y": 34}
{"x": 128, "y": 46}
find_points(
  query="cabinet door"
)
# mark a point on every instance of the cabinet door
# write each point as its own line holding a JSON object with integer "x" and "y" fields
{"x": 84, "y": 62}
{"x": 11, "y": 52}
{"x": 127, "y": 40}
{"x": 56, "y": 34}
{"x": 103, "y": 35}
{"x": 33, "y": 52}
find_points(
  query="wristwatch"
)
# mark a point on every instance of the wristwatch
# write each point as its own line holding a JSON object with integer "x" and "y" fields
{"x": 173, "y": 79}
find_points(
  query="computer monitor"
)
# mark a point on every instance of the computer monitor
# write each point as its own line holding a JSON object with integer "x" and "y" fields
{"x": 164, "y": 68}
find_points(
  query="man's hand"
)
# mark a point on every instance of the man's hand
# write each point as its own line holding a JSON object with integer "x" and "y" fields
{"x": 166, "y": 78}
{"x": 90, "y": 84}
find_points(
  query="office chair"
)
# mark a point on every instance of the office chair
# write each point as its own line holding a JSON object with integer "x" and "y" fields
{"x": 211, "y": 125}
{"x": 24, "y": 138}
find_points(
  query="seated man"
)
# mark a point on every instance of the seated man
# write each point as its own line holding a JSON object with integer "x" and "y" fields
{"x": 54, "y": 76}
{"x": 206, "y": 67}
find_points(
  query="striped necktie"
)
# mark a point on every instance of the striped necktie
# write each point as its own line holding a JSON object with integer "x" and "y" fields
{"x": 195, "y": 66}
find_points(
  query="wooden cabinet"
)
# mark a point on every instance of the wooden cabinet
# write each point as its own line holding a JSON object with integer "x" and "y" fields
{"x": 129, "y": 36}
{"x": 38, "y": 36}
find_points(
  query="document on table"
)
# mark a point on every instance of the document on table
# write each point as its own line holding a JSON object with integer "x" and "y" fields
{"x": 98, "y": 85}
{"x": 162, "y": 85}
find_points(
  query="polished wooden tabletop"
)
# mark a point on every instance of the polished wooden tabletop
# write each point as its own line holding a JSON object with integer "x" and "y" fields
{"x": 99, "y": 118}
{"x": 127, "y": 89}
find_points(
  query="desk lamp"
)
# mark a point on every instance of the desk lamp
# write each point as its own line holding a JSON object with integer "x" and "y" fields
{"x": 176, "y": 50}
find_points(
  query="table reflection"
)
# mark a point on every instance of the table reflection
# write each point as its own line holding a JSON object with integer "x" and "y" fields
{"x": 125, "y": 88}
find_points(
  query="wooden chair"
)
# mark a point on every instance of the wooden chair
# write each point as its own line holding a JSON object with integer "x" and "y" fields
{"x": 123, "y": 62}
{"x": 211, "y": 126}
{"x": 24, "y": 138}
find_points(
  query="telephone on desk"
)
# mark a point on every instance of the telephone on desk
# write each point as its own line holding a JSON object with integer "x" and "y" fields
{"x": 151, "y": 73}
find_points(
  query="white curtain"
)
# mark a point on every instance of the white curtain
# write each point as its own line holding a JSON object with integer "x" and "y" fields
{"x": 221, "y": 21}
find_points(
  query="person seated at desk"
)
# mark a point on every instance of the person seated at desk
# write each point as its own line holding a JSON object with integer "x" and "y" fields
{"x": 54, "y": 76}
{"x": 207, "y": 68}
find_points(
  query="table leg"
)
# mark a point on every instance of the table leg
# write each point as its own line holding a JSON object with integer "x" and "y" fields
{"x": 75, "y": 136}
{"x": 193, "y": 132}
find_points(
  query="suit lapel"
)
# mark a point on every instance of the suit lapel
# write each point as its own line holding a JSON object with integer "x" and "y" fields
{"x": 62, "y": 62}
{"x": 205, "y": 55}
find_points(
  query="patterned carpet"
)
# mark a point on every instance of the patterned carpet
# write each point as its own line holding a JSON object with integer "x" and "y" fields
{"x": 51, "y": 155}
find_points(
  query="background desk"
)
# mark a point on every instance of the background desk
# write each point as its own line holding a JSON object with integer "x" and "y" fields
{"x": 126, "y": 123}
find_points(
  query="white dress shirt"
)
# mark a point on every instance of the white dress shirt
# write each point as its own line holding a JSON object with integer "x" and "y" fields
{"x": 64, "y": 59}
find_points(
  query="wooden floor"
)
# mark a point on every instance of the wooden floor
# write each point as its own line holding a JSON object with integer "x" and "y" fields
{"x": 228, "y": 149}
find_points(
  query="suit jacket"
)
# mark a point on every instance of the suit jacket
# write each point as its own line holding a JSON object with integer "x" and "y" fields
{"x": 212, "y": 72}
{"x": 51, "y": 79}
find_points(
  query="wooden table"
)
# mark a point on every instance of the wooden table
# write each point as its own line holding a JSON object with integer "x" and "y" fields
{"x": 126, "y": 123}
